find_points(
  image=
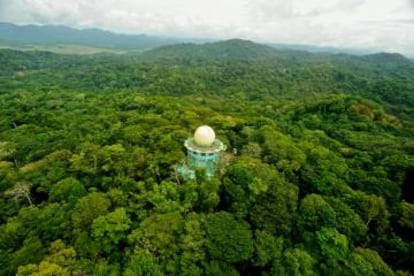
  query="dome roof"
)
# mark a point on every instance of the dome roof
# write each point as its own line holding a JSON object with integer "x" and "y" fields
{"x": 204, "y": 136}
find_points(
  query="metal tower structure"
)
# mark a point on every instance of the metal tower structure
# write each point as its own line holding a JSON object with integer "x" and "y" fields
{"x": 203, "y": 152}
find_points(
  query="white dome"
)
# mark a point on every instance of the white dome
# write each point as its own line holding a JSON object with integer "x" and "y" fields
{"x": 204, "y": 136}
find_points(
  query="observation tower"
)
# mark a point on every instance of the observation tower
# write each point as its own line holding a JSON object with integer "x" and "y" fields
{"x": 203, "y": 152}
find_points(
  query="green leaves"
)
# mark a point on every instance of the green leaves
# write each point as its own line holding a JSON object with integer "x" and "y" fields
{"x": 379, "y": 267}
{"x": 69, "y": 190}
{"x": 297, "y": 262}
{"x": 159, "y": 234}
{"x": 228, "y": 239}
{"x": 320, "y": 155}
{"x": 109, "y": 230}
{"x": 407, "y": 215}
{"x": 315, "y": 213}
{"x": 257, "y": 186}
{"x": 333, "y": 245}
{"x": 267, "y": 248}
{"x": 88, "y": 208}
{"x": 7, "y": 149}
{"x": 142, "y": 263}
{"x": 60, "y": 261}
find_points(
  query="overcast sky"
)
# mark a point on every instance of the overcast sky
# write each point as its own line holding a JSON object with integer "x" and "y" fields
{"x": 379, "y": 24}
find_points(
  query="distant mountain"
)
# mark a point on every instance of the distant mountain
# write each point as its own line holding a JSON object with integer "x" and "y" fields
{"x": 387, "y": 58}
{"x": 321, "y": 49}
{"x": 224, "y": 67}
{"x": 246, "y": 50}
{"x": 50, "y": 34}
{"x": 68, "y": 40}
{"x": 233, "y": 49}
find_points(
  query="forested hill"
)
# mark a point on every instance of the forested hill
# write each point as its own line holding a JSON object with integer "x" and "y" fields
{"x": 239, "y": 49}
{"x": 233, "y": 66}
{"x": 318, "y": 178}
{"x": 227, "y": 50}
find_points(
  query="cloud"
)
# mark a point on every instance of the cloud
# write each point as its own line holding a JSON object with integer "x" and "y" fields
{"x": 378, "y": 24}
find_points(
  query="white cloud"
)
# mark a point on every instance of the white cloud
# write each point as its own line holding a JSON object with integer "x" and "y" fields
{"x": 380, "y": 24}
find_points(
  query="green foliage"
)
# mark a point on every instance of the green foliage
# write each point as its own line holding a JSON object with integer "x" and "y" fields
{"x": 60, "y": 261}
{"x": 316, "y": 179}
{"x": 332, "y": 244}
{"x": 407, "y": 215}
{"x": 278, "y": 149}
{"x": 379, "y": 267}
{"x": 347, "y": 220}
{"x": 298, "y": 262}
{"x": 160, "y": 235}
{"x": 69, "y": 189}
{"x": 228, "y": 239}
{"x": 267, "y": 248}
{"x": 142, "y": 263}
{"x": 109, "y": 230}
{"x": 315, "y": 213}
{"x": 31, "y": 251}
{"x": 358, "y": 265}
{"x": 88, "y": 208}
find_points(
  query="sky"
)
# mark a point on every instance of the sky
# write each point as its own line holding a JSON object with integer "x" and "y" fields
{"x": 383, "y": 25}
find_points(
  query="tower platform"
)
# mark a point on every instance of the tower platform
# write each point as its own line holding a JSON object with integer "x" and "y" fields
{"x": 203, "y": 152}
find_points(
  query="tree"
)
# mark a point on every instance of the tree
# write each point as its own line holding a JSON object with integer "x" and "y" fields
{"x": 252, "y": 149}
{"x": 32, "y": 251}
{"x": 208, "y": 193}
{"x": 374, "y": 208}
{"x": 160, "y": 235}
{"x": 7, "y": 149}
{"x": 110, "y": 229}
{"x": 245, "y": 181}
{"x": 323, "y": 168}
{"x": 142, "y": 263}
{"x": 60, "y": 261}
{"x": 379, "y": 267}
{"x": 219, "y": 268}
{"x": 407, "y": 215}
{"x": 87, "y": 160}
{"x": 68, "y": 189}
{"x": 88, "y": 208}
{"x": 227, "y": 239}
{"x": 280, "y": 196}
{"x": 333, "y": 249}
{"x": 358, "y": 265}
{"x": 315, "y": 213}
{"x": 267, "y": 248}
{"x": 193, "y": 252}
{"x": 19, "y": 190}
{"x": 280, "y": 150}
{"x": 297, "y": 262}
{"x": 348, "y": 222}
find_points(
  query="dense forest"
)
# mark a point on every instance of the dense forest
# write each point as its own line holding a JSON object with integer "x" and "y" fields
{"x": 318, "y": 178}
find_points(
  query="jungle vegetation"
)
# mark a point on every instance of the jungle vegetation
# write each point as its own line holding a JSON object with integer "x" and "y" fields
{"x": 318, "y": 178}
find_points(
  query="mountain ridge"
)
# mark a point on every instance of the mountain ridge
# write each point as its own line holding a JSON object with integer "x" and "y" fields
{"x": 58, "y": 34}
{"x": 248, "y": 50}
{"x": 206, "y": 67}
{"x": 13, "y": 35}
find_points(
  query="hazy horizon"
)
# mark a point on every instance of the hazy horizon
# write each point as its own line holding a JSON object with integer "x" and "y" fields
{"x": 367, "y": 24}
